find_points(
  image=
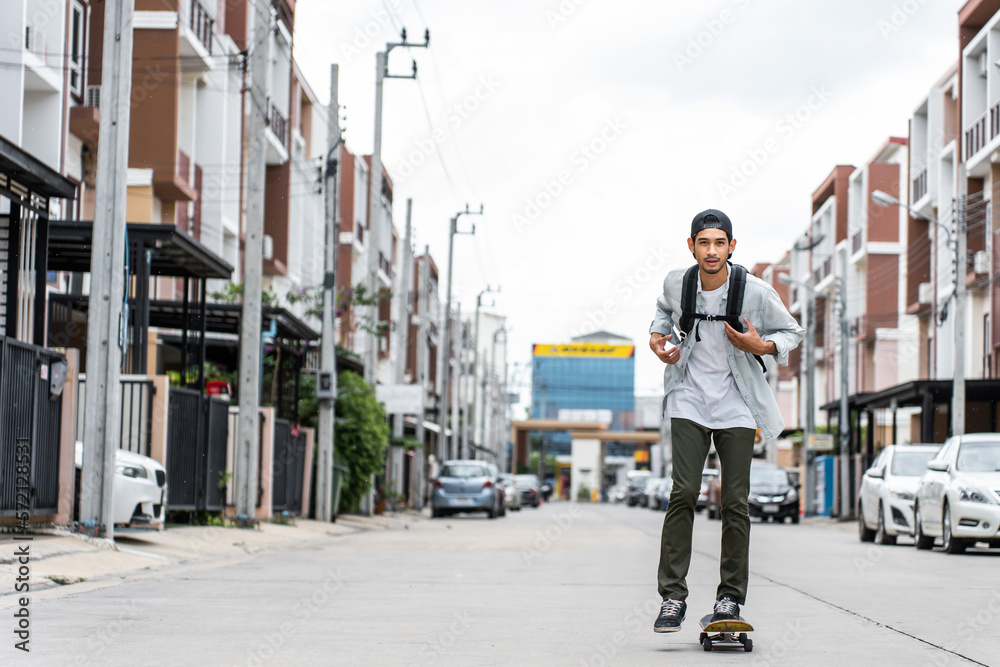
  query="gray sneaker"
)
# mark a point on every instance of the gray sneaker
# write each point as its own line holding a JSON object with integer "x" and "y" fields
{"x": 726, "y": 609}
{"x": 671, "y": 616}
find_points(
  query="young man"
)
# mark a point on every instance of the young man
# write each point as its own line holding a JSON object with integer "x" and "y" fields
{"x": 715, "y": 390}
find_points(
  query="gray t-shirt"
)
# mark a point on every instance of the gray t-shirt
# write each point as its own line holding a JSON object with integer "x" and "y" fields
{"x": 708, "y": 395}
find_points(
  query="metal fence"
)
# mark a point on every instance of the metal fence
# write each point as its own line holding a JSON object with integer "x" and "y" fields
{"x": 31, "y": 415}
{"x": 136, "y": 415}
{"x": 288, "y": 468}
{"x": 197, "y": 433}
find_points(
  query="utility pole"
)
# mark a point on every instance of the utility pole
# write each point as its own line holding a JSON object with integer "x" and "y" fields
{"x": 844, "y": 425}
{"x": 328, "y": 359}
{"x": 401, "y": 337}
{"x": 446, "y": 332}
{"x": 480, "y": 415}
{"x": 809, "y": 359}
{"x": 106, "y": 323}
{"x": 374, "y": 241}
{"x": 422, "y": 304}
{"x": 958, "y": 387}
{"x": 456, "y": 404}
{"x": 250, "y": 323}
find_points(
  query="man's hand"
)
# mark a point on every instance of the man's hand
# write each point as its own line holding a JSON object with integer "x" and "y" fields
{"x": 657, "y": 342}
{"x": 750, "y": 341}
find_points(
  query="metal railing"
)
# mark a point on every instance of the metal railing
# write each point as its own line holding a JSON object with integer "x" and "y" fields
{"x": 31, "y": 416}
{"x": 920, "y": 185}
{"x": 975, "y": 137}
{"x": 202, "y": 24}
{"x": 278, "y": 125}
{"x": 136, "y": 417}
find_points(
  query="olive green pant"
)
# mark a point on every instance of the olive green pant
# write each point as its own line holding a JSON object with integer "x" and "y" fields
{"x": 691, "y": 442}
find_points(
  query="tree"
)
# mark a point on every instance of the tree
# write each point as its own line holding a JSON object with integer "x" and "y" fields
{"x": 361, "y": 436}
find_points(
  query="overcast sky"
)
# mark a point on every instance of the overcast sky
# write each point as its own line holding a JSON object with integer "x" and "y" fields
{"x": 592, "y": 131}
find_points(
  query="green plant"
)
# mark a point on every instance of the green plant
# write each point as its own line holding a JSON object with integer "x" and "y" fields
{"x": 407, "y": 442}
{"x": 225, "y": 477}
{"x": 233, "y": 293}
{"x": 361, "y": 436}
{"x": 583, "y": 493}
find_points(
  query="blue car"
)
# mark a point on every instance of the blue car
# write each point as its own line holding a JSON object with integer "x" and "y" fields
{"x": 466, "y": 486}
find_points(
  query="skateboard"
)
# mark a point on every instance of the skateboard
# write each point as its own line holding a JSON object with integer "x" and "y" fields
{"x": 729, "y": 634}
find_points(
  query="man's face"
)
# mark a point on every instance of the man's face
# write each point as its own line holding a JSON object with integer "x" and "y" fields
{"x": 711, "y": 248}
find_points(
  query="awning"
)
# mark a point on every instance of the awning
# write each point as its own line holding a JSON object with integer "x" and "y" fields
{"x": 32, "y": 173}
{"x": 173, "y": 252}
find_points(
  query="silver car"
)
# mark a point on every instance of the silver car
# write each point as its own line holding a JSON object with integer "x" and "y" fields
{"x": 885, "y": 500}
{"x": 958, "y": 498}
{"x": 465, "y": 486}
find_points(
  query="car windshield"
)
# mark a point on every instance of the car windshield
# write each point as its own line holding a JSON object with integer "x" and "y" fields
{"x": 526, "y": 480}
{"x": 911, "y": 464}
{"x": 463, "y": 470}
{"x": 979, "y": 457}
{"x": 768, "y": 477}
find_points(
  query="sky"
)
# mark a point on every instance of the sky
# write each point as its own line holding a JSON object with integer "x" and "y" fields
{"x": 592, "y": 132}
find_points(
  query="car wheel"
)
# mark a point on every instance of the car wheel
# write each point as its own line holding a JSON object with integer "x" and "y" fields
{"x": 949, "y": 542}
{"x": 795, "y": 518}
{"x": 865, "y": 534}
{"x": 882, "y": 537}
{"x": 435, "y": 513}
{"x": 920, "y": 540}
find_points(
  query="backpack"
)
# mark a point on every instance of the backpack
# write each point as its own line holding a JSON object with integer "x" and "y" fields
{"x": 691, "y": 318}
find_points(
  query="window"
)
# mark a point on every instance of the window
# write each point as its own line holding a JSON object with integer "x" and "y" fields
{"x": 77, "y": 48}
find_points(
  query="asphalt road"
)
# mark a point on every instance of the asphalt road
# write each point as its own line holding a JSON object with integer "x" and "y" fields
{"x": 565, "y": 584}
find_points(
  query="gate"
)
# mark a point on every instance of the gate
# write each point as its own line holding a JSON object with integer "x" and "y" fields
{"x": 197, "y": 431}
{"x": 288, "y": 468}
{"x": 136, "y": 417}
{"x": 29, "y": 415}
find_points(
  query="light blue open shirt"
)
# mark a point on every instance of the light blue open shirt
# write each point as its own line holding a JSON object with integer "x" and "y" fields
{"x": 763, "y": 307}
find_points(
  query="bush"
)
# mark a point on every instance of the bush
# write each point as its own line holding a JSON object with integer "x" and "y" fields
{"x": 361, "y": 436}
{"x": 583, "y": 494}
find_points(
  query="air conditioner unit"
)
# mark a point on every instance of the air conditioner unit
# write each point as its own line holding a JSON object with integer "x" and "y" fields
{"x": 94, "y": 96}
{"x": 925, "y": 293}
{"x": 983, "y": 65}
{"x": 981, "y": 262}
{"x": 268, "y": 247}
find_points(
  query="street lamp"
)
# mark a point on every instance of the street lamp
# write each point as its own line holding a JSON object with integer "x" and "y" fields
{"x": 956, "y": 244}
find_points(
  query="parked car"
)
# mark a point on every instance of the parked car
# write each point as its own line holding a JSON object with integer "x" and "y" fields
{"x": 659, "y": 496}
{"x": 958, "y": 498}
{"x": 511, "y": 494}
{"x": 531, "y": 489}
{"x": 618, "y": 494}
{"x": 140, "y": 489}
{"x": 888, "y": 487}
{"x": 706, "y": 476}
{"x": 635, "y": 484}
{"x": 647, "y": 490}
{"x": 466, "y": 486}
{"x": 772, "y": 494}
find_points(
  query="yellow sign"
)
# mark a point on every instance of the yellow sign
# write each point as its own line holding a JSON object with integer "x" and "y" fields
{"x": 641, "y": 455}
{"x": 585, "y": 350}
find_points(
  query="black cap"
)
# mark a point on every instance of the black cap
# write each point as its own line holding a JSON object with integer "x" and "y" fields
{"x": 712, "y": 219}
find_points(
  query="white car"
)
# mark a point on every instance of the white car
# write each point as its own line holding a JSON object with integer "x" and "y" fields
{"x": 958, "y": 498}
{"x": 885, "y": 500}
{"x": 140, "y": 489}
{"x": 511, "y": 494}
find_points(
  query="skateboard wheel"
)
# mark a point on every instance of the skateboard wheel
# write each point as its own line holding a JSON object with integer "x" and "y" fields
{"x": 743, "y": 638}
{"x": 707, "y": 644}
{"x": 748, "y": 645}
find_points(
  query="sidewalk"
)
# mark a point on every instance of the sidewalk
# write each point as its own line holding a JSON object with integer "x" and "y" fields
{"x": 59, "y": 557}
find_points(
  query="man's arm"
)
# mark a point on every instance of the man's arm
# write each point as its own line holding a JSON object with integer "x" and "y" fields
{"x": 659, "y": 333}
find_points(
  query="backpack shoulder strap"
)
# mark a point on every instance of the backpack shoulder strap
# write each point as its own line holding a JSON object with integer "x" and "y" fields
{"x": 689, "y": 299}
{"x": 734, "y": 300}
{"x": 734, "y": 303}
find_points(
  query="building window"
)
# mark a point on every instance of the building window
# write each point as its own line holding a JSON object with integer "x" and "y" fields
{"x": 77, "y": 49}
{"x": 987, "y": 367}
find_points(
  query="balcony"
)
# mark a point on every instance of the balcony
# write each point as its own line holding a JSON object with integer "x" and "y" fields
{"x": 975, "y": 137}
{"x": 197, "y": 30}
{"x": 919, "y": 188}
{"x": 277, "y": 137}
